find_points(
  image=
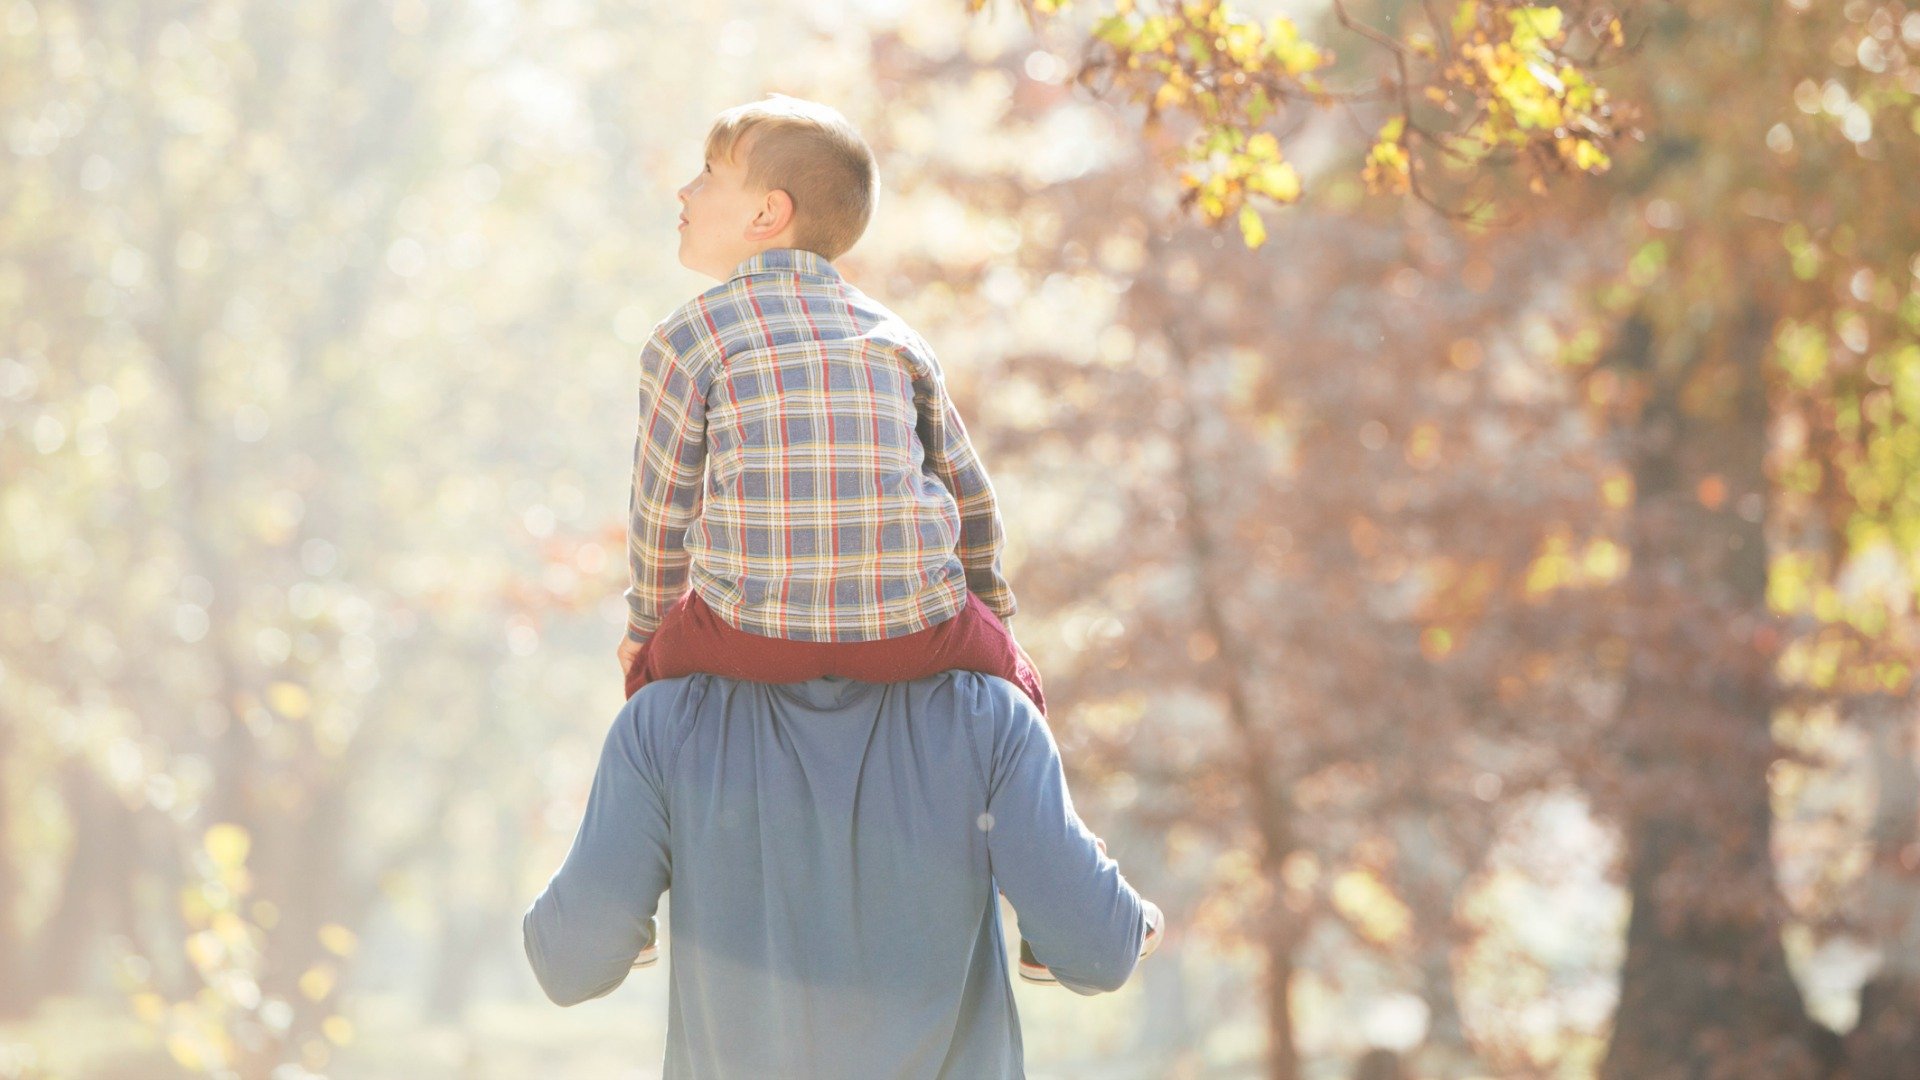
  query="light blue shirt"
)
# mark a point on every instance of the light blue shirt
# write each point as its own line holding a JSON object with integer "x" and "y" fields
{"x": 834, "y": 849}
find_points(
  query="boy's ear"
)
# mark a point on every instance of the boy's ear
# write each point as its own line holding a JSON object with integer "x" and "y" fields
{"x": 776, "y": 213}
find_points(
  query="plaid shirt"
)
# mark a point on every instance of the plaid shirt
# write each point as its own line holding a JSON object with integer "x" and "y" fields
{"x": 800, "y": 466}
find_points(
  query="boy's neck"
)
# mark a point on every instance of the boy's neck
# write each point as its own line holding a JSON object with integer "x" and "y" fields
{"x": 754, "y": 253}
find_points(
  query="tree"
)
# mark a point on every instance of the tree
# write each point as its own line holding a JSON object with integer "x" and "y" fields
{"x": 1745, "y": 275}
{"x": 1277, "y": 583}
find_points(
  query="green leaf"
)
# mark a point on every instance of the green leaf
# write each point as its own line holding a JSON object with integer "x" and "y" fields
{"x": 1115, "y": 30}
{"x": 1465, "y": 17}
{"x": 1259, "y": 107}
{"x": 1154, "y": 32}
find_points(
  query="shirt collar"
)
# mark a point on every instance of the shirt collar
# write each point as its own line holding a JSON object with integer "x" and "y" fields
{"x": 788, "y": 260}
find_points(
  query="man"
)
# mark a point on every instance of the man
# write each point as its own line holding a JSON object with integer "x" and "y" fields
{"x": 834, "y": 849}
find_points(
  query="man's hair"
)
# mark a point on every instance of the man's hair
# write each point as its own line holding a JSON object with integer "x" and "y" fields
{"x": 811, "y": 152}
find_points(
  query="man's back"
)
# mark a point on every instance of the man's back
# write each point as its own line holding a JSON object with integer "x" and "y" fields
{"x": 833, "y": 849}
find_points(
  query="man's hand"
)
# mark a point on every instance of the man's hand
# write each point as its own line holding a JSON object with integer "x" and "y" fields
{"x": 629, "y": 653}
{"x": 1156, "y": 928}
{"x": 1156, "y": 920}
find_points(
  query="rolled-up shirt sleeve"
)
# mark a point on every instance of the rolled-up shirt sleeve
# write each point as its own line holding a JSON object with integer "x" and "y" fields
{"x": 669, "y": 460}
{"x": 584, "y": 930}
{"x": 1085, "y": 921}
{"x": 952, "y": 458}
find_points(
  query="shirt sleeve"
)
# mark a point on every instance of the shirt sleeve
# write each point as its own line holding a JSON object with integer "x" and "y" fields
{"x": 584, "y": 930}
{"x": 1085, "y": 921}
{"x": 669, "y": 464}
{"x": 951, "y": 456}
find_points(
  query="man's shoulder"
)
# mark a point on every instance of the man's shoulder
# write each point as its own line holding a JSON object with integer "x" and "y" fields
{"x": 989, "y": 704}
{"x": 655, "y": 720}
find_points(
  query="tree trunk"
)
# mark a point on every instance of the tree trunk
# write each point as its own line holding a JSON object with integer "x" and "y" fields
{"x": 97, "y": 875}
{"x": 1166, "y": 1036}
{"x": 1705, "y": 990}
{"x": 1431, "y": 871}
{"x": 1379, "y": 1065}
{"x": 1269, "y": 805}
{"x": 1885, "y": 1044}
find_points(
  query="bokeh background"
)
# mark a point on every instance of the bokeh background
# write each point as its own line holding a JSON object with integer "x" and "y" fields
{"x": 1490, "y": 644}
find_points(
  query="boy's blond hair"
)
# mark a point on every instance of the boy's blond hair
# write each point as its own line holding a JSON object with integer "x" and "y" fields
{"x": 811, "y": 152}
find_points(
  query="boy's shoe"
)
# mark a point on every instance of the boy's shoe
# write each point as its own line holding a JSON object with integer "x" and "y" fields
{"x": 650, "y": 954}
{"x": 1031, "y": 969}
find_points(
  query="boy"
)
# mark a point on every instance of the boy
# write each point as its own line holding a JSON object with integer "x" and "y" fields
{"x": 805, "y": 499}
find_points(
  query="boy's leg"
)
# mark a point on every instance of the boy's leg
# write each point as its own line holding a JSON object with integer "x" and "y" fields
{"x": 974, "y": 639}
{"x": 692, "y": 638}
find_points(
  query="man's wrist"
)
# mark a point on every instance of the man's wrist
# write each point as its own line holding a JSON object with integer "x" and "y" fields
{"x": 1156, "y": 927}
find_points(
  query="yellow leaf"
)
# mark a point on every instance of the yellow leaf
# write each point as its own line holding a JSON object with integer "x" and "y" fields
{"x": 205, "y": 950}
{"x": 1252, "y": 229}
{"x": 195, "y": 907}
{"x": 230, "y": 928}
{"x": 338, "y": 940}
{"x": 1371, "y": 907}
{"x": 1605, "y": 560}
{"x": 1276, "y": 181}
{"x": 290, "y": 700}
{"x": 318, "y": 982}
{"x": 1465, "y": 16}
{"x": 1590, "y": 157}
{"x": 185, "y": 1051}
{"x": 1155, "y": 32}
{"x": 149, "y": 1007}
{"x": 1617, "y": 490}
{"x": 1243, "y": 45}
{"x": 228, "y": 845}
{"x": 1534, "y": 25}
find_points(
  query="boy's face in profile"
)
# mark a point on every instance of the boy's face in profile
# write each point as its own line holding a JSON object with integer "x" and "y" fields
{"x": 717, "y": 212}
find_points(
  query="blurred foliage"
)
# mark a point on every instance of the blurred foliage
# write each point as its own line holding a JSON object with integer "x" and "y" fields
{"x": 1412, "y": 590}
